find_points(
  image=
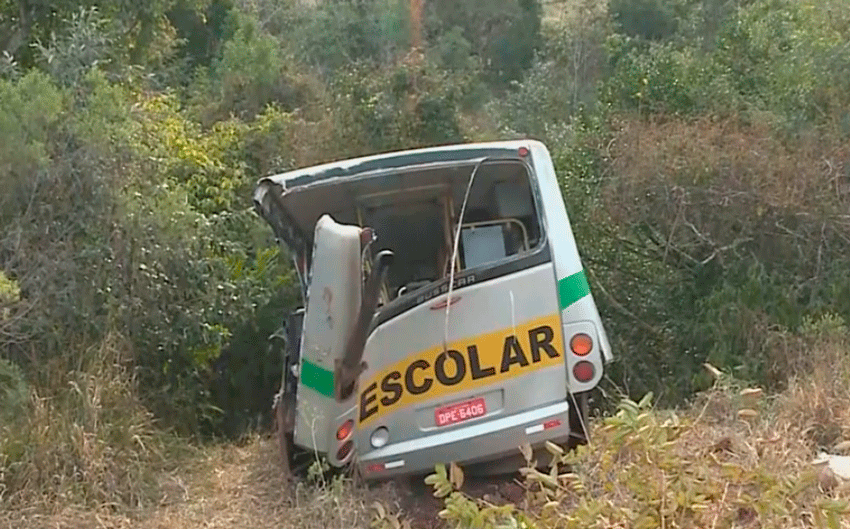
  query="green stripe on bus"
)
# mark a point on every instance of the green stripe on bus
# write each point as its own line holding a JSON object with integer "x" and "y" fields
{"x": 572, "y": 289}
{"x": 317, "y": 378}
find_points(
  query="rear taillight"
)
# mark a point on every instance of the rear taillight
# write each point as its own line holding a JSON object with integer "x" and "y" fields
{"x": 344, "y": 450}
{"x": 375, "y": 467}
{"x": 344, "y": 431}
{"x": 581, "y": 344}
{"x": 584, "y": 371}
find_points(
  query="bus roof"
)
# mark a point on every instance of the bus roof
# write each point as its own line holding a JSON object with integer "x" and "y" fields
{"x": 391, "y": 160}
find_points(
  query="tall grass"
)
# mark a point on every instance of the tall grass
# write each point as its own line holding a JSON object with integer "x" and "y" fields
{"x": 84, "y": 438}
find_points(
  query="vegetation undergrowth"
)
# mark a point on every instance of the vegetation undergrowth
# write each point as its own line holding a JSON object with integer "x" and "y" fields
{"x": 87, "y": 441}
{"x": 737, "y": 457}
{"x": 702, "y": 152}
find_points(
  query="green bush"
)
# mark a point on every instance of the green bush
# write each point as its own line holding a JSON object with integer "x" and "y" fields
{"x": 646, "y": 19}
{"x": 14, "y": 392}
{"x": 648, "y": 469}
{"x": 503, "y": 35}
{"x": 787, "y": 59}
{"x": 138, "y": 230}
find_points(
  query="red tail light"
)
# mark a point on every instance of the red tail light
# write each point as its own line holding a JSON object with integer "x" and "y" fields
{"x": 581, "y": 344}
{"x": 344, "y": 450}
{"x": 584, "y": 371}
{"x": 344, "y": 431}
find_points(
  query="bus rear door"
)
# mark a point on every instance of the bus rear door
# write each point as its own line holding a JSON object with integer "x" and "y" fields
{"x": 500, "y": 381}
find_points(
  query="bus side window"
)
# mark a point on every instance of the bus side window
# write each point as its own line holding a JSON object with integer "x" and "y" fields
{"x": 488, "y": 237}
{"x": 483, "y": 244}
{"x": 500, "y": 219}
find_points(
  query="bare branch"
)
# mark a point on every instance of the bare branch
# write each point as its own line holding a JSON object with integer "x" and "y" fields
{"x": 617, "y": 305}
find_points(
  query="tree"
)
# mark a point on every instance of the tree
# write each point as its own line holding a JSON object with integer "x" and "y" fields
{"x": 143, "y": 24}
{"x": 505, "y": 34}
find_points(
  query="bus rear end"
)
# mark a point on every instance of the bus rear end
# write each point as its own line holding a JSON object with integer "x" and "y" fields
{"x": 477, "y": 343}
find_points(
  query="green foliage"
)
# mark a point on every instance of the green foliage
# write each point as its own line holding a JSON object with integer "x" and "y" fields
{"x": 10, "y": 292}
{"x": 560, "y": 87}
{"x": 682, "y": 280}
{"x": 336, "y": 34}
{"x": 249, "y": 69}
{"x": 661, "y": 79}
{"x": 708, "y": 282}
{"x": 10, "y": 295}
{"x": 786, "y": 59}
{"x": 200, "y": 28}
{"x": 87, "y": 40}
{"x": 150, "y": 217}
{"x": 790, "y": 58}
{"x": 465, "y": 511}
{"x": 253, "y": 72}
{"x": 452, "y": 51}
{"x": 29, "y": 108}
{"x": 646, "y": 19}
{"x": 644, "y": 470}
{"x": 414, "y": 104}
{"x": 503, "y": 34}
{"x": 9, "y": 69}
{"x": 14, "y": 392}
{"x": 24, "y": 25}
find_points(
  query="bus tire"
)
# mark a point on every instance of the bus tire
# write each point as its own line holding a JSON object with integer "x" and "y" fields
{"x": 579, "y": 416}
{"x": 282, "y": 441}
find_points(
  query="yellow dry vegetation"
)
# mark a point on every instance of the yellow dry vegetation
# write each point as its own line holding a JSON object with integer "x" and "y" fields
{"x": 736, "y": 457}
{"x": 225, "y": 486}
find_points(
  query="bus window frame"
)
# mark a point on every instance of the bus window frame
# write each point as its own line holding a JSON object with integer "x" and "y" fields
{"x": 539, "y": 255}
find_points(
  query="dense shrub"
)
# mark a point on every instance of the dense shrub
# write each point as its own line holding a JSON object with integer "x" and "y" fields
{"x": 698, "y": 248}
{"x": 701, "y": 148}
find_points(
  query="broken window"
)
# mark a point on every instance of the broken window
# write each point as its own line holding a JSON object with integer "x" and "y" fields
{"x": 419, "y": 222}
{"x": 415, "y": 213}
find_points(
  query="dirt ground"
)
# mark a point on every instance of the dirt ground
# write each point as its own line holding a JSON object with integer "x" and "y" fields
{"x": 235, "y": 486}
{"x": 415, "y": 499}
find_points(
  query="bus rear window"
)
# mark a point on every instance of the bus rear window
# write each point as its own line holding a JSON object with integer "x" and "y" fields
{"x": 416, "y": 214}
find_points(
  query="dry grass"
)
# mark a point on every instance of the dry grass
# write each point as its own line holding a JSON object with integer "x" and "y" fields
{"x": 240, "y": 485}
{"x": 738, "y": 458}
{"x": 87, "y": 454}
{"x": 228, "y": 486}
{"x": 722, "y": 469}
{"x": 817, "y": 400}
{"x": 84, "y": 439}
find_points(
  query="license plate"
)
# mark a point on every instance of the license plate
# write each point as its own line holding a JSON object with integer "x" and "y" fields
{"x": 460, "y": 412}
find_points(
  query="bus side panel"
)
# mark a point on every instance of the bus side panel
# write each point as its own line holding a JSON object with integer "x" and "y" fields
{"x": 574, "y": 298}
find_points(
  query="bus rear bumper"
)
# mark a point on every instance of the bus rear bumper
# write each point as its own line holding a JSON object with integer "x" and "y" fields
{"x": 488, "y": 440}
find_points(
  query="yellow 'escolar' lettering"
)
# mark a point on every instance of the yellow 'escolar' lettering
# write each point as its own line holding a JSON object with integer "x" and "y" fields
{"x": 482, "y": 360}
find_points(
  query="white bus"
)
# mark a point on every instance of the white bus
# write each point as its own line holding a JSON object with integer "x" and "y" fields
{"x": 446, "y": 318}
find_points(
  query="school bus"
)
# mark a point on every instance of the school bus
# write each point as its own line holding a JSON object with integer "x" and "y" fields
{"x": 446, "y": 312}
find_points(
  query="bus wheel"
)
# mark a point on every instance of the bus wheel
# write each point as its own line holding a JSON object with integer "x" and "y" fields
{"x": 295, "y": 461}
{"x": 282, "y": 437}
{"x": 283, "y": 453}
{"x": 579, "y": 415}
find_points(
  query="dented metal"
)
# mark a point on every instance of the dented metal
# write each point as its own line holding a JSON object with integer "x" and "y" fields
{"x": 441, "y": 287}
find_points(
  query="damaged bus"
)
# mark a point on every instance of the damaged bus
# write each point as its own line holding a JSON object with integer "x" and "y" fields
{"x": 446, "y": 315}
